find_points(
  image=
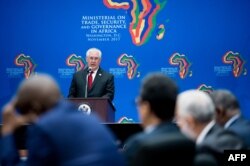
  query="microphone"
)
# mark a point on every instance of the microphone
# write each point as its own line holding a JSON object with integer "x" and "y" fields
{"x": 89, "y": 70}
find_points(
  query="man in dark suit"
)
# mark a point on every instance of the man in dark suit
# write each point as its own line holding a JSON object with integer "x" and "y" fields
{"x": 160, "y": 140}
{"x": 58, "y": 134}
{"x": 102, "y": 82}
{"x": 228, "y": 114}
{"x": 195, "y": 115}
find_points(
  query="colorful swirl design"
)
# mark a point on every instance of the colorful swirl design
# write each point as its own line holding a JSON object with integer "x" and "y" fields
{"x": 26, "y": 62}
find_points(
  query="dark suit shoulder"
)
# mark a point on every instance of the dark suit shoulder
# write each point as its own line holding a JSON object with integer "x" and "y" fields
{"x": 104, "y": 72}
{"x": 134, "y": 140}
{"x": 163, "y": 132}
{"x": 220, "y": 139}
{"x": 154, "y": 149}
{"x": 240, "y": 124}
{"x": 242, "y": 128}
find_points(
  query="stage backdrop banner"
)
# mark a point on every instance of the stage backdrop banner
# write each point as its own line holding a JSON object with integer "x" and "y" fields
{"x": 200, "y": 44}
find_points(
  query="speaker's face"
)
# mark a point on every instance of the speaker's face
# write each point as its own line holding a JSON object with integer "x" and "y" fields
{"x": 93, "y": 60}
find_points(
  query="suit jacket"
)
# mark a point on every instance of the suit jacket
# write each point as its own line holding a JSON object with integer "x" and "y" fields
{"x": 65, "y": 136}
{"x": 165, "y": 143}
{"x": 217, "y": 140}
{"x": 103, "y": 85}
{"x": 241, "y": 127}
{"x": 220, "y": 139}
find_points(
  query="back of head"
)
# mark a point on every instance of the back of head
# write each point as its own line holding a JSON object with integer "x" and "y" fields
{"x": 225, "y": 99}
{"x": 196, "y": 104}
{"x": 37, "y": 94}
{"x": 161, "y": 92}
{"x": 226, "y": 105}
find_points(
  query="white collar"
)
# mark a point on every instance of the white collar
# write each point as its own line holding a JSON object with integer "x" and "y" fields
{"x": 204, "y": 132}
{"x": 230, "y": 121}
{"x": 149, "y": 129}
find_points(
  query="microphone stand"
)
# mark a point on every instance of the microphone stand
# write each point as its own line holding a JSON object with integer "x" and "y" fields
{"x": 87, "y": 82}
{"x": 86, "y": 87}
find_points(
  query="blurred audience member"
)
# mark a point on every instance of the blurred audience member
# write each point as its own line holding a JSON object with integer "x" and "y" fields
{"x": 161, "y": 139}
{"x": 228, "y": 114}
{"x": 194, "y": 114}
{"x": 58, "y": 134}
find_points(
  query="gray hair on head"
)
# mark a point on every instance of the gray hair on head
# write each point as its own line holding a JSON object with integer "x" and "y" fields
{"x": 94, "y": 50}
{"x": 196, "y": 104}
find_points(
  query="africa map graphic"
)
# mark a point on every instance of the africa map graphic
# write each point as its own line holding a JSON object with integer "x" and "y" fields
{"x": 144, "y": 14}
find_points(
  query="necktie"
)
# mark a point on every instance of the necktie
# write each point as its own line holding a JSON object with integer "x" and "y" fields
{"x": 90, "y": 80}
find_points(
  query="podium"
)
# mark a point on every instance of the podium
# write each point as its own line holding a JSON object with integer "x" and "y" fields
{"x": 99, "y": 105}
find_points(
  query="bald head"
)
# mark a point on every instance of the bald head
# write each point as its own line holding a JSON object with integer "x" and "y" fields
{"x": 37, "y": 94}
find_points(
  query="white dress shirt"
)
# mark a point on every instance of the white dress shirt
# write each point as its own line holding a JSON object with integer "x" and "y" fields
{"x": 204, "y": 132}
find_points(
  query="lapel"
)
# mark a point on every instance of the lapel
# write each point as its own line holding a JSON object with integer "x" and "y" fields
{"x": 212, "y": 133}
{"x": 98, "y": 76}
